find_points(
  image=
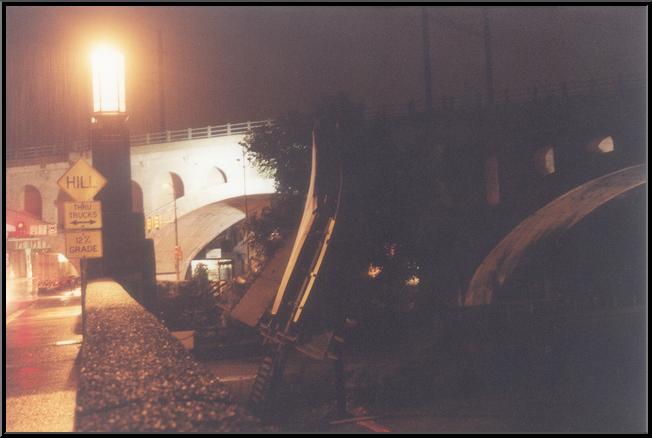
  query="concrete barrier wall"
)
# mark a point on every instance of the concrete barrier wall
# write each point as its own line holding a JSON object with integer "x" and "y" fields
{"x": 135, "y": 376}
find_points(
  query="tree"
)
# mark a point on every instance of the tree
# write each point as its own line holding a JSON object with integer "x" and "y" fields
{"x": 397, "y": 194}
{"x": 282, "y": 151}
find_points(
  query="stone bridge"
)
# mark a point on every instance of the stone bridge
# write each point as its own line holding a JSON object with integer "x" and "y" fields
{"x": 201, "y": 173}
{"x": 508, "y": 160}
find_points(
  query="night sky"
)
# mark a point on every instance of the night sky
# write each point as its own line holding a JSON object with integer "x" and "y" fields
{"x": 235, "y": 64}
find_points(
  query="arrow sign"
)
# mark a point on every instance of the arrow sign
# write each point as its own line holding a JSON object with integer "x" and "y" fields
{"x": 80, "y": 215}
{"x": 90, "y": 222}
{"x": 82, "y": 181}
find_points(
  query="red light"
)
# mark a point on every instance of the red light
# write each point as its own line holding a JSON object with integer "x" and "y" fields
{"x": 20, "y": 230}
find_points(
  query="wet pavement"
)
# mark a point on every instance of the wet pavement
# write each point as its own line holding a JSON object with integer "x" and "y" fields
{"x": 43, "y": 338}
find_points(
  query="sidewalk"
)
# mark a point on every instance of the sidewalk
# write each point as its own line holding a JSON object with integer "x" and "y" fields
{"x": 43, "y": 342}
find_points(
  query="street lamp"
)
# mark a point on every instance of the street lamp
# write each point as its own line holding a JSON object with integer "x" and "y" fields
{"x": 244, "y": 189}
{"x": 126, "y": 253}
{"x": 108, "y": 80}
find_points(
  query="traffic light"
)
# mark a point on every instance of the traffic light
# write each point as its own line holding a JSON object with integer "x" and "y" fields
{"x": 178, "y": 253}
{"x": 20, "y": 229}
{"x": 148, "y": 224}
{"x": 157, "y": 222}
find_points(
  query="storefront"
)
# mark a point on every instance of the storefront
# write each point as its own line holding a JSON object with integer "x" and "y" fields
{"x": 218, "y": 269}
{"x": 30, "y": 262}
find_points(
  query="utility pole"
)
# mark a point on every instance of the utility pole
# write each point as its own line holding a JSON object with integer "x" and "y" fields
{"x": 488, "y": 60}
{"x": 246, "y": 224}
{"x": 427, "y": 68}
{"x": 161, "y": 89}
{"x": 452, "y": 24}
{"x": 176, "y": 239}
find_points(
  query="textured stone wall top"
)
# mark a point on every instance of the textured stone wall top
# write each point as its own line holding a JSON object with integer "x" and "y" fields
{"x": 135, "y": 376}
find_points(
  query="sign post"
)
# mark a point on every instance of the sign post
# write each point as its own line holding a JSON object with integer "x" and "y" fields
{"x": 83, "y": 220}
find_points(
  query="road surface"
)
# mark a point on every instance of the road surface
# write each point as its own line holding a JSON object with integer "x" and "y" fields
{"x": 42, "y": 343}
{"x": 198, "y": 228}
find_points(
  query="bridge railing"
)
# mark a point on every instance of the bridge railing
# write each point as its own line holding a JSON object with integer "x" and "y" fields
{"x": 45, "y": 150}
{"x": 197, "y": 133}
{"x": 396, "y": 111}
{"x": 476, "y": 101}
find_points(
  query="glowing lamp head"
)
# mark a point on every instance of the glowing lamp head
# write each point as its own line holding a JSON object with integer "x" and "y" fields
{"x": 108, "y": 80}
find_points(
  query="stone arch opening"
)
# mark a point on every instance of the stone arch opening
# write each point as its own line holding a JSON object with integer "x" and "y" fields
{"x": 59, "y": 203}
{"x": 137, "y": 205}
{"x": 32, "y": 201}
{"x": 216, "y": 176}
{"x": 602, "y": 145}
{"x": 544, "y": 160}
{"x": 177, "y": 185}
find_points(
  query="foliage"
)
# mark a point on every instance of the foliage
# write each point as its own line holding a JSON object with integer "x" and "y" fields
{"x": 200, "y": 279}
{"x": 281, "y": 151}
{"x": 265, "y": 232}
{"x": 398, "y": 192}
{"x": 187, "y": 305}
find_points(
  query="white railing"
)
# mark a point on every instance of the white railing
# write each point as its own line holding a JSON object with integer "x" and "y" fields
{"x": 197, "y": 133}
{"x": 141, "y": 139}
{"x": 45, "y": 151}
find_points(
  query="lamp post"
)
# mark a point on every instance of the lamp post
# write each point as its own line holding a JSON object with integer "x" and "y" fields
{"x": 110, "y": 150}
{"x": 427, "y": 68}
{"x": 177, "y": 249}
{"x": 489, "y": 75}
{"x": 110, "y": 137}
{"x": 128, "y": 255}
{"x": 246, "y": 227}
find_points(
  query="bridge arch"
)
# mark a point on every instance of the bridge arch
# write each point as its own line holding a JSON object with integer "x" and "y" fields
{"x": 137, "y": 205}
{"x": 545, "y": 160}
{"x": 557, "y": 216}
{"x": 33, "y": 201}
{"x": 160, "y": 190}
{"x": 178, "y": 189}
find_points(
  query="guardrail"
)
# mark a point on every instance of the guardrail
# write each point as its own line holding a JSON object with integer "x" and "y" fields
{"x": 561, "y": 90}
{"x": 197, "y": 133}
{"x": 45, "y": 150}
{"x": 141, "y": 139}
{"x": 445, "y": 103}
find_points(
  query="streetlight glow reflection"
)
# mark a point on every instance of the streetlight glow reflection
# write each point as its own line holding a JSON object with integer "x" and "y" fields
{"x": 108, "y": 80}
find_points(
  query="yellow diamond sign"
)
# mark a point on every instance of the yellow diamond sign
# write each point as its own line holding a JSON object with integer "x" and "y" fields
{"x": 82, "y": 181}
